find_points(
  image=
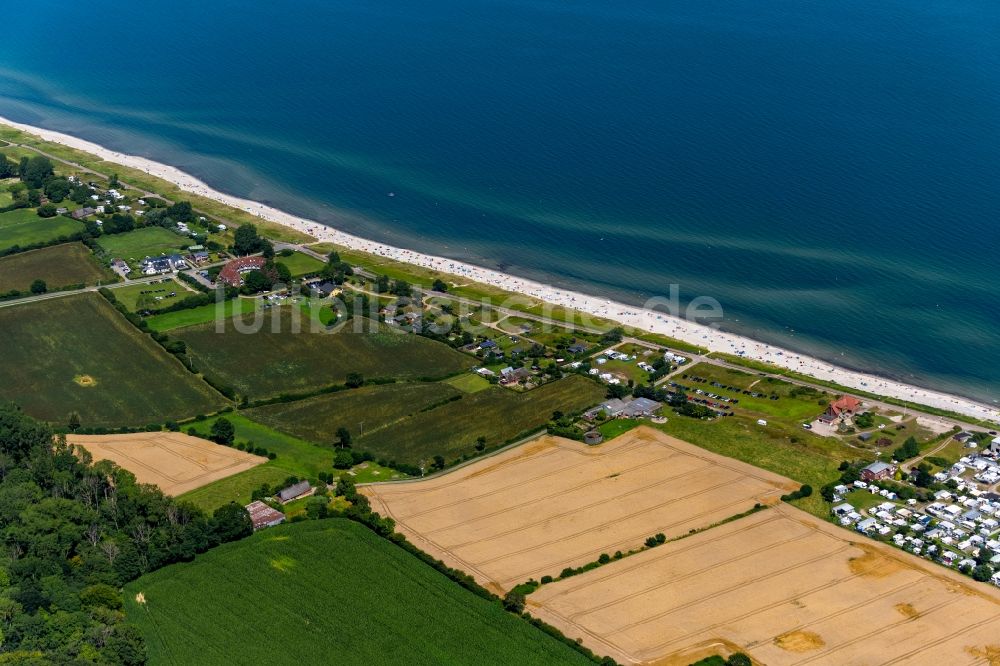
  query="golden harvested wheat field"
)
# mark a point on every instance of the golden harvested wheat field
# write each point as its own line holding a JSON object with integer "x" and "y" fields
{"x": 173, "y": 461}
{"x": 786, "y": 589}
{"x": 553, "y": 503}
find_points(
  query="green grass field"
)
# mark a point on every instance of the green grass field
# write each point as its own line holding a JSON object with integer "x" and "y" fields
{"x": 238, "y": 487}
{"x": 498, "y": 414}
{"x": 59, "y": 266}
{"x": 369, "y": 408}
{"x": 200, "y": 315}
{"x": 267, "y": 363}
{"x": 783, "y": 449}
{"x": 297, "y": 594}
{"x": 613, "y": 428}
{"x": 77, "y": 353}
{"x": 469, "y": 383}
{"x": 863, "y": 500}
{"x": 135, "y": 246}
{"x": 296, "y": 457}
{"x": 137, "y": 297}
{"x": 549, "y": 335}
{"x": 796, "y": 404}
{"x": 20, "y": 216}
{"x": 23, "y": 227}
{"x": 300, "y": 264}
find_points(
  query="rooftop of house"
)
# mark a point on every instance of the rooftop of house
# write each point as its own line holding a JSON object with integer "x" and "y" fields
{"x": 293, "y": 491}
{"x": 845, "y": 403}
{"x": 232, "y": 272}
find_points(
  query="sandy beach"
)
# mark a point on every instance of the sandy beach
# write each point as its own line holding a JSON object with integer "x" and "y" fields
{"x": 647, "y": 320}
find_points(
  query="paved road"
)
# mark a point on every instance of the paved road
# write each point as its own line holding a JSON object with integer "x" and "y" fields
{"x": 60, "y": 294}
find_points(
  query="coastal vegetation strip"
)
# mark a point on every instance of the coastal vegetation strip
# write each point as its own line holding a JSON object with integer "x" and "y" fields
{"x": 145, "y": 182}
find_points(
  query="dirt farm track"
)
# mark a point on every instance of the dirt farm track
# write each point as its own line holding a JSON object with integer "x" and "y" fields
{"x": 173, "y": 461}
{"x": 779, "y": 584}
{"x": 554, "y": 503}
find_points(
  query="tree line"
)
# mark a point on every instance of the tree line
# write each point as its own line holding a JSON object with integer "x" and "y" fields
{"x": 73, "y": 532}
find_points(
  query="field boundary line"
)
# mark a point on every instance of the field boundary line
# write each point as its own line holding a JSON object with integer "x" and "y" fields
{"x": 841, "y": 646}
{"x": 806, "y": 593}
{"x": 617, "y": 519}
{"x": 773, "y": 574}
{"x": 693, "y": 574}
{"x": 945, "y": 639}
{"x": 581, "y": 486}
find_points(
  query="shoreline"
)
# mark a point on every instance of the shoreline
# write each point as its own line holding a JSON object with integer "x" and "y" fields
{"x": 645, "y": 320}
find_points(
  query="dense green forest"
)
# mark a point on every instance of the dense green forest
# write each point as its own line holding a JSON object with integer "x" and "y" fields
{"x": 73, "y": 532}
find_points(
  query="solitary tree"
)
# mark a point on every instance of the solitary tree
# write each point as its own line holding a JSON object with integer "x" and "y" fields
{"x": 74, "y": 421}
{"x": 36, "y": 170}
{"x": 256, "y": 281}
{"x": 245, "y": 240}
{"x": 343, "y": 459}
{"x": 343, "y": 438}
{"x": 514, "y": 602}
{"x": 39, "y": 287}
{"x": 223, "y": 431}
{"x": 439, "y": 285}
{"x": 232, "y": 522}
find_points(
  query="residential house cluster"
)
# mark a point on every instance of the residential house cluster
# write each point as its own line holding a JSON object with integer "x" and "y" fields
{"x": 626, "y": 408}
{"x": 511, "y": 375}
{"x": 959, "y": 528}
{"x": 163, "y": 264}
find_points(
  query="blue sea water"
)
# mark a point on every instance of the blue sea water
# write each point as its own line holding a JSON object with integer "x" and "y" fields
{"x": 827, "y": 170}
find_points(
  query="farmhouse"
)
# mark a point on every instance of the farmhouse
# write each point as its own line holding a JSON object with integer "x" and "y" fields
{"x": 81, "y": 213}
{"x": 324, "y": 289}
{"x": 576, "y": 348}
{"x": 295, "y": 491}
{"x": 198, "y": 256}
{"x": 513, "y": 375}
{"x": 878, "y": 471}
{"x": 841, "y": 409}
{"x": 640, "y": 407}
{"x": 263, "y": 516}
{"x": 232, "y": 273}
{"x": 611, "y": 408}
